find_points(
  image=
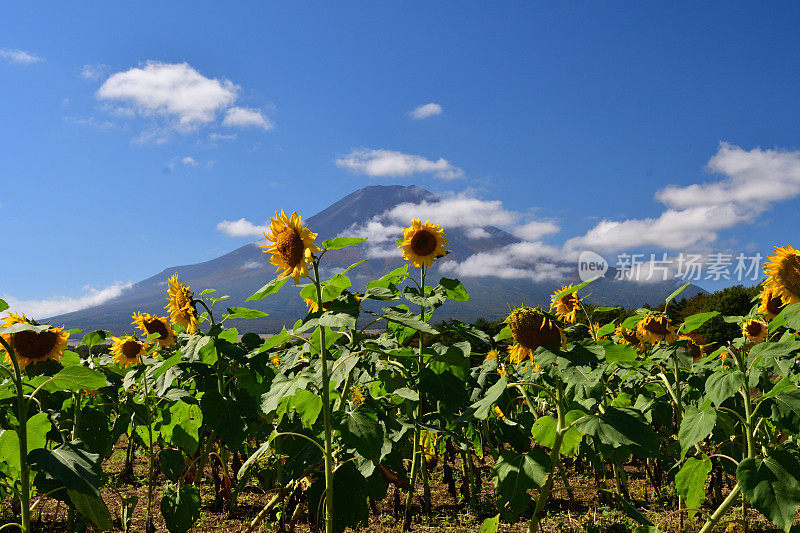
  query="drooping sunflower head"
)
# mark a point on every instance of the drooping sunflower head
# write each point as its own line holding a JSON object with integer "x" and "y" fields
{"x": 654, "y": 328}
{"x": 627, "y": 335}
{"x": 770, "y": 303}
{"x": 127, "y": 351}
{"x": 31, "y": 346}
{"x": 754, "y": 330}
{"x": 180, "y": 305}
{"x": 292, "y": 245}
{"x": 357, "y": 395}
{"x": 783, "y": 274}
{"x": 567, "y": 306}
{"x": 423, "y": 242}
{"x": 530, "y": 329}
{"x": 150, "y": 324}
{"x": 693, "y": 349}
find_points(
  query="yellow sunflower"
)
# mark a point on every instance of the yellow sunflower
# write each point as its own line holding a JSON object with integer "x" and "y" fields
{"x": 498, "y": 412}
{"x": 292, "y": 245}
{"x": 530, "y": 329}
{"x": 276, "y": 361}
{"x": 783, "y": 274}
{"x": 150, "y": 324}
{"x": 653, "y": 329}
{"x": 770, "y": 303}
{"x": 30, "y": 346}
{"x": 428, "y": 442}
{"x": 422, "y": 243}
{"x": 492, "y": 354}
{"x": 181, "y": 305}
{"x": 313, "y": 306}
{"x": 567, "y": 306}
{"x": 754, "y": 330}
{"x": 627, "y": 335}
{"x": 127, "y": 351}
{"x": 357, "y": 395}
{"x": 693, "y": 349}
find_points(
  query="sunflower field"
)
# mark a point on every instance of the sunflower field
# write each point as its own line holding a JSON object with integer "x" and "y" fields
{"x": 338, "y": 427}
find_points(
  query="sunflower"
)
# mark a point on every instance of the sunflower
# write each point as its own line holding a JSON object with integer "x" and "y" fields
{"x": 422, "y": 243}
{"x": 567, "y": 306}
{"x": 653, "y": 329}
{"x": 127, "y": 350}
{"x": 783, "y": 271}
{"x": 313, "y": 306}
{"x": 31, "y": 346}
{"x": 276, "y": 361}
{"x": 754, "y": 330}
{"x": 693, "y": 349}
{"x": 492, "y": 354}
{"x": 357, "y": 395}
{"x": 530, "y": 329}
{"x": 498, "y": 412}
{"x": 150, "y": 324}
{"x": 428, "y": 442}
{"x": 627, "y": 335}
{"x": 292, "y": 245}
{"x": 181, "y": 305}
{"x": 770, "y": 303}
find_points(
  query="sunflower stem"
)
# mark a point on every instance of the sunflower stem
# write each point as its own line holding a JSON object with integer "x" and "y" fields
{"x": 22, "y": 436}
{"x": 150, "y": 476}
{"x": 326, "y": 411}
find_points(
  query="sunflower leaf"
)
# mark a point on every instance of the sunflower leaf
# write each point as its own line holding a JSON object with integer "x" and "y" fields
{"x": 342, "y": 242}
{"x": 75, "y": 378}
{"x": 693, "y": 322}
{"x": 270, "y": 288}
{"x": 3, "y": 305}
{"x": 244, "y": 312}
{"x": 677, "y": 291}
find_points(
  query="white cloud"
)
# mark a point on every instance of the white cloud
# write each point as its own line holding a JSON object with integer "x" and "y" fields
{"x": 425, "y": 111}
{"x": 41, "y": 309}
{"x": 240, "y": 228}
{"x": 455, "y": 211}
{"x": 177, "y": 92}
{"x": 751, "y": 182}
{"x": 190, "y": 161}
{"x": 249, "y": 265}
{"x": 535, "y": 229}
{"x": 20, "y": 56}
{"x": 222, "y": 137}
{"x": 390, "y": 163}
{"x": 94, "y": 72}
{"x": 92, "y": 122}
{"x": 522, "y": 260}
{"x": 242, "y": 117}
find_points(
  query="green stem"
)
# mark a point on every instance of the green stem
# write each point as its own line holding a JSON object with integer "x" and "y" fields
{"x": 712, "y": 521}
{"x": 326, "y": 412}
{"x": 561, "y": 429}
{"x": 150, "y": 478}
{"x": 22, "y": 435}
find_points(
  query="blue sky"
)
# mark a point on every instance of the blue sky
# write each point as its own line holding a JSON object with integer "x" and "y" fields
{"x": 131, "y": 131}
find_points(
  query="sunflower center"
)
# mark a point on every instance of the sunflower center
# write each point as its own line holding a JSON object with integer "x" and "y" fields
{"x": 789, "y": 273}
{"x": 423, "y": 243}
{"x": 131, "y": 349}
{"x": 156, "y": 326}
{"x": 290, "y": 246}
{"x": 532, "y": 330}
{"x": 657, "y": 327}
{"x": 630, "y": 336}
{"x": 32, "y": 345}
{"x": 774, "y": 304}
{"x": 753, "y": 329}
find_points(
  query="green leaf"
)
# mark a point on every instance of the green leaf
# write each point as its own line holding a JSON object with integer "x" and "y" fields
{"x": 94, "y": 338}
{"x": 721, "y": 385}
{"x": 245, "y": 313}
{"x": 308, "y": 405}
{"x": 200, "y": 348}
{"x": 207, "y": 291}
{"x": 490, "y": 525}
{"x": 482, "y": 406}
{"x": 678, "y": 291}
{"x": 38, "y": 426}
{"x": 696, "y": 425}
{"x": 544, "y": 432}
{"x": 180, "y": 507}
{"x": 3, "y": 305}
{"x": 270, "y": 288}
{"x": 772, "y": 485}
{"x": 351, "y": 267}
{"x": 620, "y": 426}
{"x": 690, "y": 482}
{"x": 282, "y": 386}
{"x": 172, "y": 463}
{"x": 360, "y": 430}
{"x": 351, "y": 489}
{"x": 67, "y": 466}
{"x": 398, "y": 275}
{"x": 406, "y": 318}
{"x": 576, "y": 288}
{"x": 789, "y": 316}
{"x": 76, "y": 378}
{"x": 183, "y": 427}
{"x": 503, "y": 334}
{"x": 93, "y": 508}
{"x": 274, "y": 340}
{"x": 514, "y": 475}
{"x": 620, "y": 353}
{"x": 166, "y": 365}
{"x": 95, "y": 431}
{"x": 454, "y": 290}
{"x": 223, "y": 415}
{"x": 342, "y": 242}
{"x": 693, "y": 322}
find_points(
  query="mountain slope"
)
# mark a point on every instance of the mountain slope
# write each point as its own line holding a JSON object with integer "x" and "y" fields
{"x": 241, "y": 272}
